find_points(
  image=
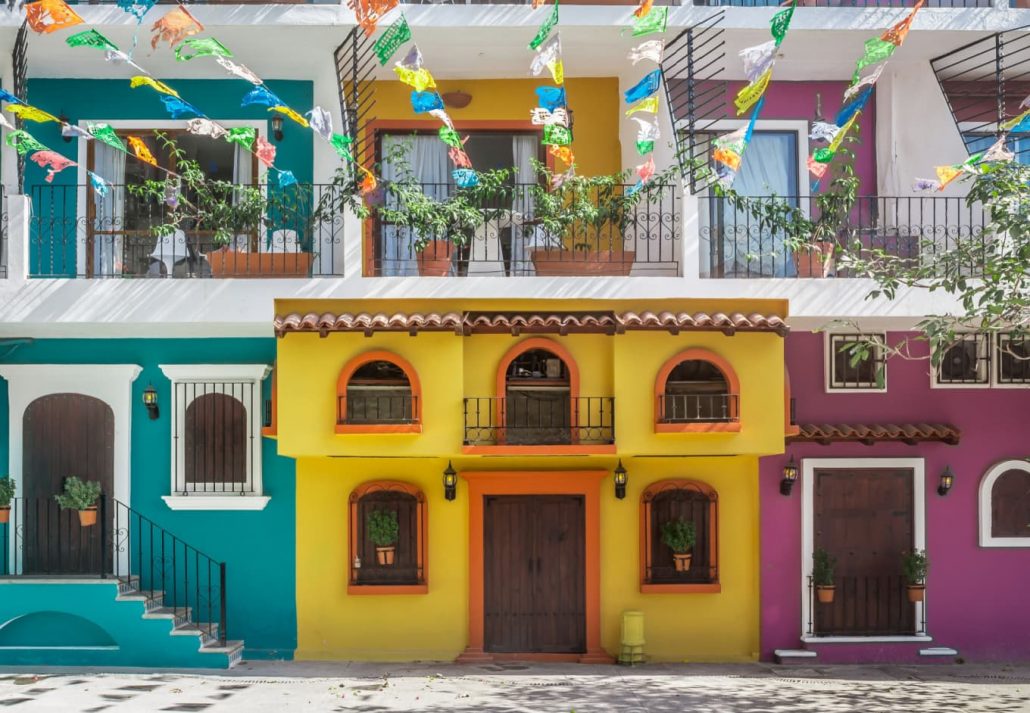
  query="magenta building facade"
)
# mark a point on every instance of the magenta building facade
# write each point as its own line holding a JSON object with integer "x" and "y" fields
{"x": 861, "y": 500}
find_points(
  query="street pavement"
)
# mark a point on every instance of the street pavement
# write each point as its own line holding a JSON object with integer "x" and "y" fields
{"x": 269, "y": 687}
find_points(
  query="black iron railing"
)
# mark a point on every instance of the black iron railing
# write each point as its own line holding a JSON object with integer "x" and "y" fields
{"x": 3, "y": 232}
{"x": 40, "y": 539}
{"x": 75, "y": 233}
{"x": 536, "y": 419}
{"x": 699, "y": 408}
{"x": 736, "y": 244}
{"x": 510, "y": 241}
{"x": 373, "y": 408}
{"x": 867, "y": 605}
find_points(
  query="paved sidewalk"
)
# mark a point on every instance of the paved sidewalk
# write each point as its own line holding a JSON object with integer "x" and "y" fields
{"x": 266, "y": 687}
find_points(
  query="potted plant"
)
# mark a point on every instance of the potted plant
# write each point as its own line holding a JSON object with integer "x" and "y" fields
{"x": 6, "y": 495}
{"x": 383, "y": 531}
{"x": 82, "y": 496}
{"x": 823, "y": 565}
{"x": 679, "y": 536}
{"x": 915, "y": 565}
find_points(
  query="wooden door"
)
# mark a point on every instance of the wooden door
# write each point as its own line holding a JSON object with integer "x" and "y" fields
{"x": 534, "y": 574}
{"x": 864, "y": 518}
{"x": 64, "y": 435}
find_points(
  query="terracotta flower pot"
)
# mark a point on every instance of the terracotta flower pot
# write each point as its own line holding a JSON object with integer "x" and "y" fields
{"x": 681, "y": 560}
{"x": 560, "y": 263}
{"x": 5, "y": 514}
{"x": 434, "y": 260}
{"x": 384, "y": 555}
{"x": 226, "y": 262}
{"x": 825, "y": 593}
{"x": 916, "y": 592}
{"x": 816, "y": 259}
{"x": 88, "y": 517}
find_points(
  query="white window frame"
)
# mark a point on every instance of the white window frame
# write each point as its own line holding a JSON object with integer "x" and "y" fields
{"x": 935, "y": 382}
{"x": 808, "y": 468}
{"x": 216, "y": 374}
{"x": 996, "y": 381}
{"x": 986, "y": 486}
{"x": 828, "y": 375}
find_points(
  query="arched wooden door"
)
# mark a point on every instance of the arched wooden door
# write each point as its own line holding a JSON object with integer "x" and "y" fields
{"x": 64, "y": 435}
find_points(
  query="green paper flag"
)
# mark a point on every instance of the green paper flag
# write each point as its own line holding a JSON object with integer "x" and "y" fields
{"x": 545, "y": 29}
{"x": 780, "y": 22}
{"x": 876, "y": 50}
{"x": 202, "y": 47}
{"x": 555, "y": 135}
{"x": 23, "y": 142}
{"x": 390, "y": 41}
{"x": 823, "y": 155}
{"x": 91, "y": 38}
{"x": 105, "y": 134}
{"x": 450, "y": 137}
{"x": 242, "y": 135}
{"x": 652, "y": 22}
{"x": 341, "y": 144}
{"x": 645, "y": 147}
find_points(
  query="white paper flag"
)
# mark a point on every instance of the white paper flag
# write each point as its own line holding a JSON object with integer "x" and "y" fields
{"x": 71, "y": 131}
{"x": 864, "y": 82}
{"x": 321, "y": 122}
{"x": 651, "y": 50}
{"x": 648, "y": 131}
{"x": 998, "y": 152}
{"x": 119, "y": 57}
{"x": 413, "y": 60}
{"x": 9, "y": 126}
{"x": 238, "y": 70}
{"x": 442, "y": 116}
{"x": 548, "y": 53}
{"x": 205, "y": 127}
{"x": 823, "y": 131}
{"x": 541, "y": 117}
{"x": 758, "y": 59}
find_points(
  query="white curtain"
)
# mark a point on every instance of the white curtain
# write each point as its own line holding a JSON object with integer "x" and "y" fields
{"x": 525, "y": 148}
{"x": 110, "y": 210}
{"x": 243, "y": 174}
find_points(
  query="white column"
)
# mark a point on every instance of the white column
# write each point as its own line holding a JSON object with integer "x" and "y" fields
{"x": 19, "y": 211}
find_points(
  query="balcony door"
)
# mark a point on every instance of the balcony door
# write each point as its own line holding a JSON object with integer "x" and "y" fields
{"x": 737, "y": 245}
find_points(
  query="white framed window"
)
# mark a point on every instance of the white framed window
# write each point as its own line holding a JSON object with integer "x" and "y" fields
{"x": 845, "y": 374}
{"x": 1005, "y": 505}
{"x": 965, "y": 364}
{"x": 216, "y": 419}
{"x": 1012, "y": 356}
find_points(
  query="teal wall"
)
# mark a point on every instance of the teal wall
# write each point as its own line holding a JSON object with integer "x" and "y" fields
{"x": 257, "y": 547}
{"x": 52, "y": 251}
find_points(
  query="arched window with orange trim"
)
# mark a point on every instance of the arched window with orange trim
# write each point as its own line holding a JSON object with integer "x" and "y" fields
{"x": 538, "y": 399}
{"x": 697, "y": 390}
{"x": 378, "y": 391}
{"x": 679, "y": 532}
{"x": 387, "y": 538}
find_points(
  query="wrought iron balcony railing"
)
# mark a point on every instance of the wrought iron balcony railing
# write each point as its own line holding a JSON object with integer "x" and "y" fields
{"x": 867, "y": 605}
{"x": 643, "y": 239}
{"x": 539, "y": 419}
{"x": 736, "y": 244}
{"x": 373, "y": 408}
{"x": 699, "y": 408}
{"x": 75, "y": 233}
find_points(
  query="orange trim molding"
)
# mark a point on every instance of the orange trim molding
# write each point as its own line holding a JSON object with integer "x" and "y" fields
{"x": 341, "y": 394}
{"x": 569, "y": 450}
{"x": 732, "y": 382}
{"x": 526, "y": 345}
{"x": 646, "y": 498}
{"x": 421, "y": 527}
{"x": 586, "y": 483}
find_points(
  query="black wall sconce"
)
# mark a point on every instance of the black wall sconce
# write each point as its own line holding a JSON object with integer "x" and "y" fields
{"x": 620, "y": 476}
{"x": 947, "y": 480}
{"x": 450, "y": 482}
{"x": 277, "y": 128}
{"x": 790, "y": 475}
{"x": 150, "y": 401}
{"x": 66, "y": 136}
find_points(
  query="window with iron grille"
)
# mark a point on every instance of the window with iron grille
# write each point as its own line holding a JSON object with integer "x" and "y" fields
{"x": 966, "y": 362}
{"x": 679, "y": 502}
{"x": 850, "y": 370}
{"x": 1013, "y": 360}
{"x": 697, "y": 391}
{"x": 378, "y": 392}
{"x": 216, "y": 419}
{"x": 397, "y": 562}
{"x": 1005, "y": 505}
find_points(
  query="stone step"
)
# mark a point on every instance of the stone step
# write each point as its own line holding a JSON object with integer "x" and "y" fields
{"x": 789, "y": 656}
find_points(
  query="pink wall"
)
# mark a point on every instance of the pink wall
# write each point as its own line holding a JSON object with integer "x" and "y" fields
{"x": 978, "y": 600}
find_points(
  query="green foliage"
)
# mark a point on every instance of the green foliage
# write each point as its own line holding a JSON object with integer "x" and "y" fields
{"x": 916, "y": 566}
{"x": 823, "y": 566}
{"x": 78, "y": 494}
{"x": 679, "y": 535}
{"x": 383, "y": 529}
{"x": 6, "y": 491}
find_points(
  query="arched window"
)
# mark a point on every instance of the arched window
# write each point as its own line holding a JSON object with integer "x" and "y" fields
{"x": 1005, "y": 505}
{"x": 387, "y": 539}
{"x": 217, "y": 439}
{"x": 378, "y": 392}
{"x": 672, "y": 514}
{"x": 538, "y": 399}
{"x": 697, "y": 390}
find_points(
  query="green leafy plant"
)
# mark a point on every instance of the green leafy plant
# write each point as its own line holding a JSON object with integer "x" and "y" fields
{"x": 679, "y": 535}
{"x": 78, "y": 494}
{"x": 383, "y": 529}
{"x": 6, "y": 491}
{"x": 915, "y": 565}
{"x": 823, "y": 566}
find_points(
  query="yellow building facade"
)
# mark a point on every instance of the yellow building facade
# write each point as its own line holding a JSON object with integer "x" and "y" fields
{"x": 532, "y": 411}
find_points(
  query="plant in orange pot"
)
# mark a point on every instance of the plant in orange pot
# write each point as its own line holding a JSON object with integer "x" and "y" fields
{"x": 6, "y": 496}
{"x": 679, "y": 535}
{"x": 916, "y": 566}
{"x": 80, "y": 495}
{"x": 823, "y": 566}
{"x": 383, "y": 531}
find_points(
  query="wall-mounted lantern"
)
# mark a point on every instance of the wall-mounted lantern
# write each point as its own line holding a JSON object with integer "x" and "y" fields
{"x": 947, "y": 480}
{"x": 790, "y": 475}
{"x": 150, "y": 401}
{"x": 277, "y": 128}
{"x": 450, "y": 482}
{"x": 621, "y": 476}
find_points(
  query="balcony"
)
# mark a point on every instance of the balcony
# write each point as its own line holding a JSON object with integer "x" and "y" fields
{"x": 557, "y": 422}
{"x": 866, "y": 605}
{"x": 511, "y": 242}
{"x": 74, "y": 233}
{"x": 698, "y": 408}
{"x": 734, "y": 244}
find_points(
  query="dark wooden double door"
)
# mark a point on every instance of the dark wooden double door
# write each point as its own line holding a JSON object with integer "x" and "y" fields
{"x": 864, "y": 518}
{"x": 534, "y": 574}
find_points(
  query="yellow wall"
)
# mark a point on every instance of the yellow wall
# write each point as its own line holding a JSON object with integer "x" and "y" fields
{"x": 595, "y": 102}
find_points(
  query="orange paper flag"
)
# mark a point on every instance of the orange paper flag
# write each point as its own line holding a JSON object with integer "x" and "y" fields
{"x": 643, "y": 8}
{"x": 140, "y": 149}
{"x": 896, "y": 34}
{"x": 368, "y": 182}
{"x": 174, "y": 27}
{"x": 48, "y": 16}
{"x": 563, "y": 153}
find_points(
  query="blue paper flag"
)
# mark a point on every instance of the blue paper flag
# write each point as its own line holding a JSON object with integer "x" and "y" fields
{"x": 853, "y": 107}
{"x": 286, "y": 178}
{"x": 178, "y": 108}
{"x": 465, "y": 177}
{"x": 10, "y": 98}
{"x": 635, "y": 188}
{"x": 754, "y": 118}
{"x": 645, "y": 87}
{"x": 551, "y": 97}
{"x": 137, "y": 8}
{"x": 1022, "y": 126}
{"x": 261, "y": 97}
{"x": 98, "y": 183}
{"x": 423, "y": 102}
